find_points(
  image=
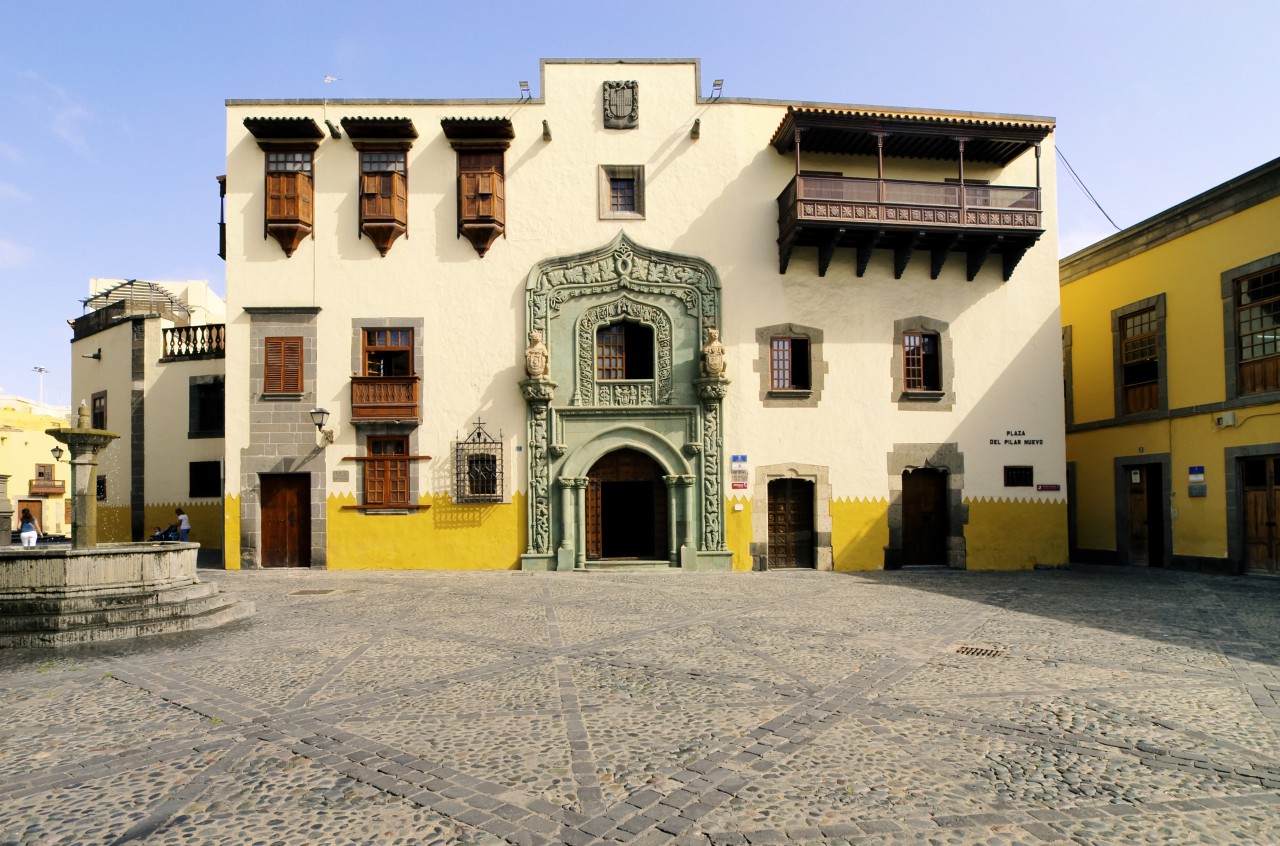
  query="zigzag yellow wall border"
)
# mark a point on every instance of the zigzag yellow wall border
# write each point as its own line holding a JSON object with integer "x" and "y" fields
{"x": 1015, "y": 534}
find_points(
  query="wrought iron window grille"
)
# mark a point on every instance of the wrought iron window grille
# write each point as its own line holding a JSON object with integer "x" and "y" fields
{"x": 478, "y": 466}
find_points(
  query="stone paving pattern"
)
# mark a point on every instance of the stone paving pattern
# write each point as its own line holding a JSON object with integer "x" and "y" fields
{"x": 1103, "y": 706}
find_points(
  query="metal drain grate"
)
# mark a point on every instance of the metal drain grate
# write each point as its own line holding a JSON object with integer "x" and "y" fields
{"x": 981, "y": 651}
{"x": 312, "y": 592}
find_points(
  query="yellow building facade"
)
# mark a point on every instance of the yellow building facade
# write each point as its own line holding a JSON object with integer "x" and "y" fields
{"x": 1170, "y": 345}
{"x": 36, "y": 480}
{"x": 633, "y": 323}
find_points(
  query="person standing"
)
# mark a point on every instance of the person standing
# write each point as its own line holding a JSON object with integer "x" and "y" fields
{"x": 28, "y": 528}
{"x": 184, "y": 524}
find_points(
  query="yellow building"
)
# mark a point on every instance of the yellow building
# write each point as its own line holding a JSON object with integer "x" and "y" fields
{"x": 35, "y": 479}
{"x": 147, "y": 359}
{"x": 631, "y": 322}
{"x": 1171, "y": 349}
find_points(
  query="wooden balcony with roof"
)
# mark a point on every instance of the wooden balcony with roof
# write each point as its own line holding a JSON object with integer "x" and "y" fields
{"x": 909, "y": 217}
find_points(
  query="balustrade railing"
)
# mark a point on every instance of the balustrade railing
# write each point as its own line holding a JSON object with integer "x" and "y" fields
{"x": 205, "y": 341}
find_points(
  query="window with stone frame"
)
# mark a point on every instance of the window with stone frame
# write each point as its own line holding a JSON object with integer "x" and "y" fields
{"x": 282, "y": 366}
{"x": 1139, "y": 360}
{"x": 789, "y": 359}
{"x": 923, "y": 364}
{"x": 386, "y": 472}
{"x": 204, "y": 479}
{"x": 622, "y": 192}
{"x": 1257, "y": 322}
{"x": 624, "y": 350}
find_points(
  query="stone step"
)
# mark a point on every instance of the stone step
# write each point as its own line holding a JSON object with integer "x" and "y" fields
{"x": 88, "y": 602}
{"x": 171, "y": 605}
{"x": 226, "y": 609}
{"x": 630, "y": 566}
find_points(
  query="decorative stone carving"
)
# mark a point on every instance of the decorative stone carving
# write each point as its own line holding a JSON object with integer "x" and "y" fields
{"x": 621, "y": 104}
{"x": 626, "y": 280}
{"x": 537, "y": 358}
{"x": 588, "y": 390}
{"x": 713, "y": 362}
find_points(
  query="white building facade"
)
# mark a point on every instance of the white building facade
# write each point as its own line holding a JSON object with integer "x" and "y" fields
{"x": 624, "y": 324}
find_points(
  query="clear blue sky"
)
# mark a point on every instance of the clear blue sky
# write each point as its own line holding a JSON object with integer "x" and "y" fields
{"x": 113, "y": 120}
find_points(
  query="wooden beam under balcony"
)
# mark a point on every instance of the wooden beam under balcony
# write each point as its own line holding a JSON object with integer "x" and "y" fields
{"x": 908, "y": 217}
{"x": 383, "y": 399}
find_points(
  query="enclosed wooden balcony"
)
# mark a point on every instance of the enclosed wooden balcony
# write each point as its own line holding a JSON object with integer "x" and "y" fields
{"x": 907, "y": 217}
{"x": 384, "y": 399}
{"x": 958, "y": 214}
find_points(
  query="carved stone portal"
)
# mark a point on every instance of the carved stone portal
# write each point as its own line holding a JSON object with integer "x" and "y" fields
{"x": 621, "y": 105}
{"x": 675, "y": 415}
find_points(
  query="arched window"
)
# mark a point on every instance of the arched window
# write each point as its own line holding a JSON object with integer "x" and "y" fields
{"x": 624, "y": 350}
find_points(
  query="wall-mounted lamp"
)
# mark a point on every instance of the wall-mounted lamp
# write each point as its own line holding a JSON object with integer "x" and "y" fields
{"x": 525, "y": 93}
{"x": 57, "y": 453}
{"x": 696, "y": 132}
{"x": 717, "y": 88}
{"x": 96, "y": 356}
{"x": 320, "y": 416}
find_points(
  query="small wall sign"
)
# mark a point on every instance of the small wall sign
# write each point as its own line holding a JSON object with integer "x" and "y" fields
{"x": 1015, "y": 437}
{"x": 1048, "y": 487}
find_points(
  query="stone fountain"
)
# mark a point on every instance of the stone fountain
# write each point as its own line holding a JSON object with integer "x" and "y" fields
{"x": 61, "y": 596}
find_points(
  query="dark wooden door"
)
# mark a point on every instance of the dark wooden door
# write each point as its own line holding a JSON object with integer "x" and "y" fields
{"x": 626, "y": 507}
{"x": 36, "y": 507}
{"x": 1261, "y": 514}
{"x": 286, "y": 520}
{"x": 791, "y": 532}
{"x": 1139, "y": 551}
{"x": 925, "y": 525}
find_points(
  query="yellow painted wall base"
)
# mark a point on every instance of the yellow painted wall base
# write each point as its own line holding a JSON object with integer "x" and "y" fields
{"x": 859, "y": 533}
{"x": 1006, "y": 534}
{"x": 446, "y": 536}
{"x": 737, "y": 531}
{"x": 231, "y": 517}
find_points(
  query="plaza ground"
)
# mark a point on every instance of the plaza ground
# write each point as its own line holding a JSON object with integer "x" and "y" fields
{"x": 1089, "y": 706}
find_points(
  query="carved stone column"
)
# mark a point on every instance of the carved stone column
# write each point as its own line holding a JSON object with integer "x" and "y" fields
{"x": 568, "y": 510}
{"x": 689, "y": 548}
{"x": 539, "y": 393}
{"x": 580, "y": 494}
{"x": 711, "y": 391}
{"x": 673, "y": 514}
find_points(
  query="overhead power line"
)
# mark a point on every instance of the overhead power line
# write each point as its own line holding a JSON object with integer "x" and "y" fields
{"x": 1075, "y": 176}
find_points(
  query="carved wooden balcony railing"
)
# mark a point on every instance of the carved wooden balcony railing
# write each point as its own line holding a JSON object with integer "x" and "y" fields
{"x": 866, "y": 214}
{"x": 384, "y": 398}
{"x": 46, "y": 487}
{"x": 194, "y": 342}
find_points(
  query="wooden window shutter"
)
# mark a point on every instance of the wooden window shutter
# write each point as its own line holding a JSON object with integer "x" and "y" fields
{"x": 400, "y": 189}
{"x": 283, "y": 366}
{"x": 304, "y": 192}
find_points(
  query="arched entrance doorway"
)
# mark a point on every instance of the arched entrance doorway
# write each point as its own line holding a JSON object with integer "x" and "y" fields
{"x": 626, "y": 508}
{"x": 925, "y": 525}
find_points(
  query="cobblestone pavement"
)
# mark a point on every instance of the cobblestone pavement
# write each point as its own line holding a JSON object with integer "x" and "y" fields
{"x": 1091, "y": 706}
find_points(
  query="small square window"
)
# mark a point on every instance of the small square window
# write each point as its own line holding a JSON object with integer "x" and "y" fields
{"x": 99, "y": 410}
{"x": 789, "y": 364}
{"x": 621, "y": 192}
{"x": 1019, "y": 477}
{"x": 101, "y": 488}
{"x": 205, "y": 479}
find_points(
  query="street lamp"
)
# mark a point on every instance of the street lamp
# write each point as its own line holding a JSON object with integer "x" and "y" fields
{"x": 320, "y": 416}
{"x": 57, "y": 452}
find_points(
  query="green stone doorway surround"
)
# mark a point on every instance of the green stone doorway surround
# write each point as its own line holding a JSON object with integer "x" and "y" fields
{"x": 675, "y": 417}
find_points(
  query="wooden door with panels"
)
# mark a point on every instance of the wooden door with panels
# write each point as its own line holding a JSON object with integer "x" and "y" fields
{"x": 1261, "y": 483}
{"x": 286, "y": 520}
{"x": 925, "y": 523}
{"x": 791, "y": 524}
{"x": 626, "y": 508}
